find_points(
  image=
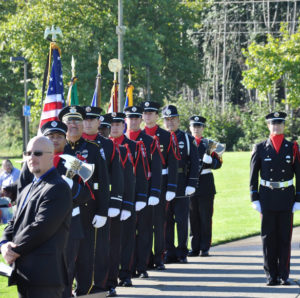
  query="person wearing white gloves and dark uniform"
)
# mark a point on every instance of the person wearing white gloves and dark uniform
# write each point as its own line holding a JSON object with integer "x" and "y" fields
{"x": 202, "y": 202}
{"x": 188, "y": 168}
{"x": 277, "y": 162}
{"x": 94, "y": 212}
{"x": 165, "y": 141}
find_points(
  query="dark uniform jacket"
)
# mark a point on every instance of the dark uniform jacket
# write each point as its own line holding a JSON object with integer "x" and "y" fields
{"x": 141, "y": 187}
{"x": 40, "y": 229}
{"x": 188, "y": 166}
{"x": 169, "y": 160}
{"x": 155, "y": 164}
{"x": 91, "y": 152}
{"x": 206, "y": 184}
{"x": 114, "y": 170}
{"x": 274, "y": 167}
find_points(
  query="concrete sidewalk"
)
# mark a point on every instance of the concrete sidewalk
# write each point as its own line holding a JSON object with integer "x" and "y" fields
{"x": 233, "y": 270}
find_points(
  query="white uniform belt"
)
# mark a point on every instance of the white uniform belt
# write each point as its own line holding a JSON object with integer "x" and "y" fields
{"x": 165, "y": 171}
{"x": 205, "y": 171}
{"x": 75, "y": 211}
{"x": 279, "y": 184}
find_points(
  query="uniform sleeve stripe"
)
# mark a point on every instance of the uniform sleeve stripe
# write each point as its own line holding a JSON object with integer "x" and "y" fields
{"x": 172, "y": 184}
{"x": 78, "y": 191}
{"x": 156, "y": 189}
{"x": 142, "y": 194}
{"x": 253, "y": 191}
{"x": 127, "y": 202}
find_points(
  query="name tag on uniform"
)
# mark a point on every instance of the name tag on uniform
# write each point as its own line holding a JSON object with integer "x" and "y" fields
{"x": 267, "y": 159}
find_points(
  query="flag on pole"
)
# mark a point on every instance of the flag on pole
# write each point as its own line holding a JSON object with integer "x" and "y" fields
{"x": 129, "y": 95}
{"x": 113, "y": 105}
{"x": 54, "y": 101}
{"x": 96, "y": 102}
{"x": 72, "y": 98}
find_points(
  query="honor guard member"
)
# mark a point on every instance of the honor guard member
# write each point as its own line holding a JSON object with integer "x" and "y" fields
{"x": 144, "y": 227}
{"x": 94, "y": 212}
{"x": 141, "y": 190}
{"x": 169, "y": 178}
{"x": 277, "y": 162}
{"x": 188, "y": 168}
{"x": 202, "y": 201}
{"x": 91, "y": 123}
{"x": 127, "y": 208}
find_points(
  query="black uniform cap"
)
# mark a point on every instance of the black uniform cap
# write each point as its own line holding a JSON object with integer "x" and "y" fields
{"x": 133, "y": 112}
{"x": 71, "y": 113}
{"x": 92, "y": 112}
{"x": 54, "y": 126}
{"x": 197, "y": 120}
{"x": 150, "y": 106}
{"x": 117, "y": 117}
{"x": 105, "y": 120}
{"x": 169, "y": 111}
{"x": 276, "y": 117}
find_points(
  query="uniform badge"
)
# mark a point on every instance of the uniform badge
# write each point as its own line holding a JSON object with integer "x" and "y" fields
{"x": 101, "y": 118}
{"x": 196, "y": 118}
{"x": 168, "y": 112}
{"x": 88, "y": 109}
{"x": 114, "y": 114}
{"x": 276, "y": 114}
{"x": 53, "y": 123}
{"x": 181, "y": 144}
{"x": 85, "y": 153}
{"x": 147, "y": 104}
{"x": 73, "y": 110}
{"x": 102, "y": 153}
{"x": 134, "y": 109}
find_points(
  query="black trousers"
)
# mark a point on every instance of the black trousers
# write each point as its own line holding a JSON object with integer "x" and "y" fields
{"x": 144, "y": 234}
{"x": 72, "y": 253}
{"x": 178, "y": 211}
{"x": 201, "y": 212}
{"x": 114, "y": 251}
{"x": 159, "y": 228}
{"x": 276, "y": 234}
{"x": 128, "y": 246}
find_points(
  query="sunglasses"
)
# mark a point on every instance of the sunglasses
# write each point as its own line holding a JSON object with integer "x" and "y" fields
{"x": 35, "y": 153}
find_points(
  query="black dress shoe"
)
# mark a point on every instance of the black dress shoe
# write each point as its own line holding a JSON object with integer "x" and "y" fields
{"x": 160, "y": 266}
{"x": 170, "y": 260}
{"x": 193, "y": 253}
{"x": 285, "y": 282}
{"x": 272, "y": 282}
{"x": 143, "y": 274}
{"x": 112, "y": 293}
{"x": 204, "y": 253}
{"x": 183, "y": 260}
{"x": 125, "y": 282}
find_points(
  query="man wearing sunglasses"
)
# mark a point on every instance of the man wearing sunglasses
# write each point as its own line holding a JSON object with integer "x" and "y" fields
{"x": 94, "y": 212}
{"x": 34, "y": 241}
{"x": 277, "y": 162}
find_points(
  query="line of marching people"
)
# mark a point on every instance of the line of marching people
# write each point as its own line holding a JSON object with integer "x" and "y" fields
{"x": 144, "y": 181}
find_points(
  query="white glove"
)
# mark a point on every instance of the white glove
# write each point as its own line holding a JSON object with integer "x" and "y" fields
{"x": 153, "y": 201}
{"x": 189, "y": 190}
{"x": 139, "y": 206}
{"x": 68, "y": 180}
{"x": 170, "y": 195}
{"x": 99, "y": 221}
{"x": 113, "y": 212}
{"x": 296, "y": 207}
{"x": 256, "y": 206}
{"x": 125, "y": 214}
{"x": 207, "y": 159}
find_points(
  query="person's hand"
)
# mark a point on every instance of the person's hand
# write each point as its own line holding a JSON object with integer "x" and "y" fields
{"x": 153, "y": 201}
{"x": 139, "y": 206}
{"x": 125, "y": 214}
{"x": 8, "y": 254}
{"x": 68, "y": 180}
{"x": 207, "y": 159}
{"x": 189, "y": 190}
{"x": 170, "y": 195}
{"x": 99, "y": 221}
{"x": 296, "y": 207}
{"x": 256, "y": 206}
{"x": 113, "y": 212}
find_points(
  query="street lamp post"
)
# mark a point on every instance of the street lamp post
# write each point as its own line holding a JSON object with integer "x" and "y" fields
{"x": 26, "y": 108}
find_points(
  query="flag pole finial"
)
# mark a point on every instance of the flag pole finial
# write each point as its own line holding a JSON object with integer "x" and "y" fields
{"x": 99, "y": 64}
{"x": 54, "y": 31}
{"x": 73, "y": 62}
{"x": 129, "y": 74}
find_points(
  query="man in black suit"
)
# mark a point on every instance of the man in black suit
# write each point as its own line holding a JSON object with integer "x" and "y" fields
{"x": 277, "y": 162}
{"x": 35, "y": 240}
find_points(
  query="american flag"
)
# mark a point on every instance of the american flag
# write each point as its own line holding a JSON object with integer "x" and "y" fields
{"x": 54, "y": 101}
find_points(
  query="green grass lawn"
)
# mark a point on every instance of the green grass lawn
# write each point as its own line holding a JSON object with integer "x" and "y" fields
{"x": 233, "y": 216}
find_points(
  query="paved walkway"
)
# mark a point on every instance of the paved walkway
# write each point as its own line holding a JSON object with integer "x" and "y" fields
{"x": 233, "y": 270}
